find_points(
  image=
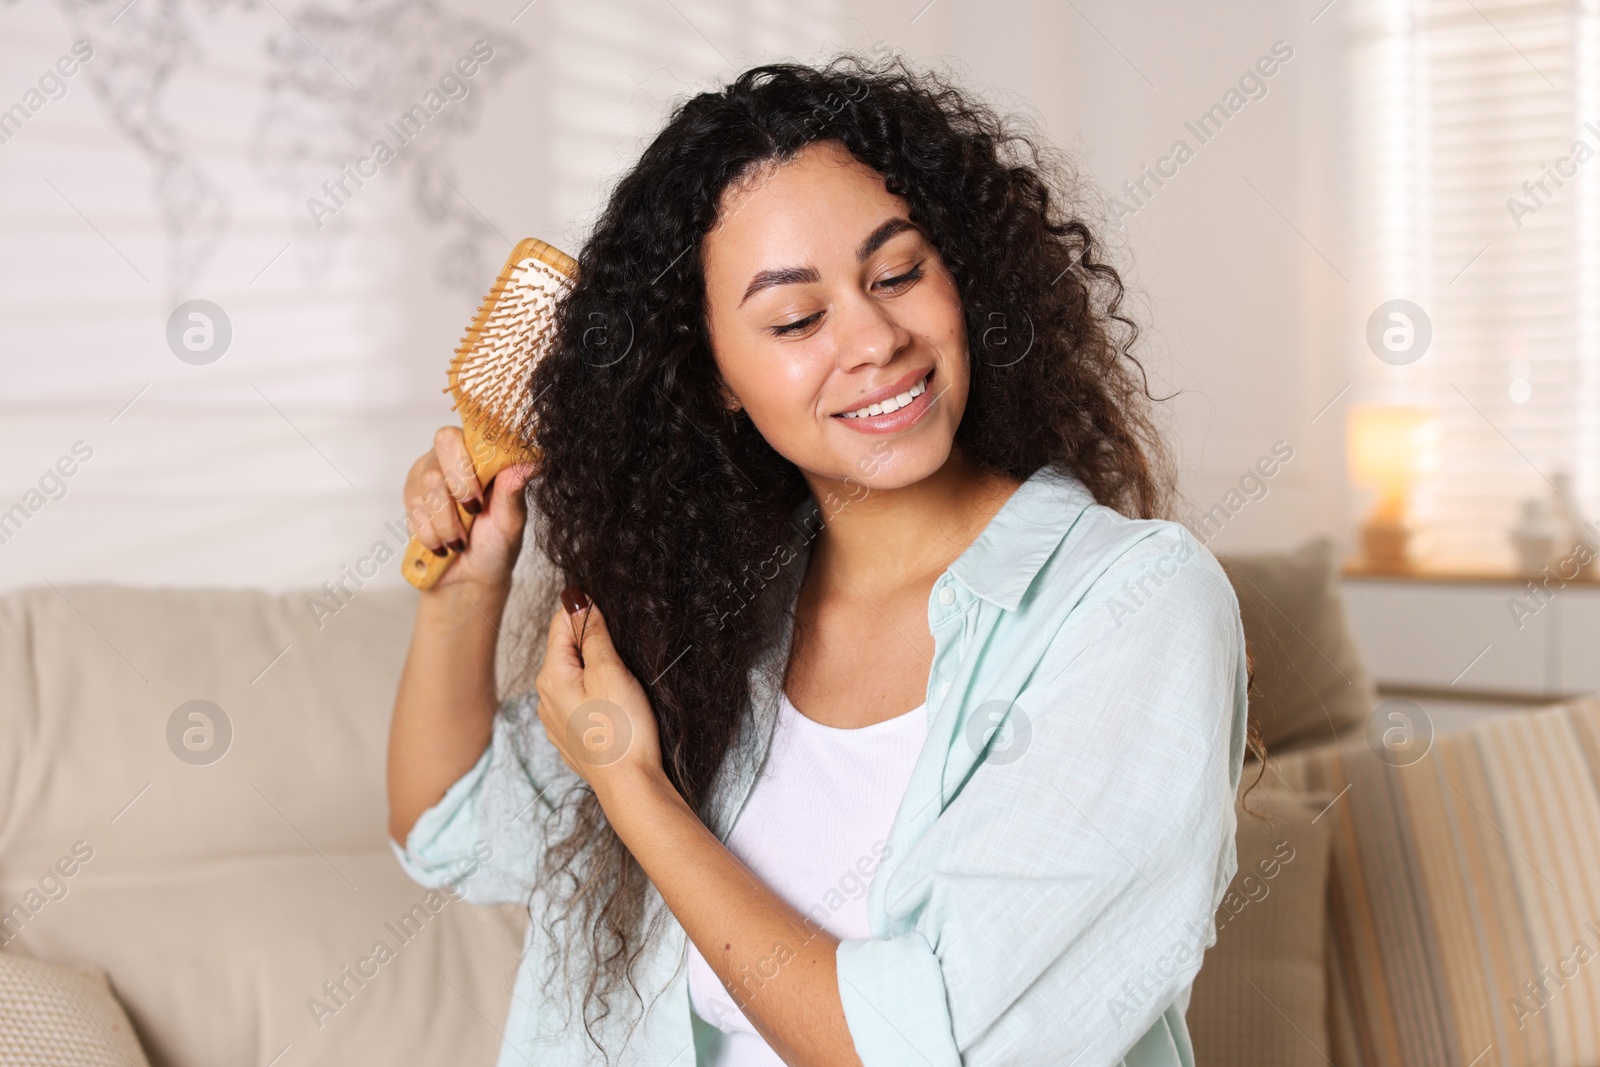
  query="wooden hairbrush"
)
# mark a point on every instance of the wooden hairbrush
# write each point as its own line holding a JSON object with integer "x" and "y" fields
{"x": 489, "y": 377}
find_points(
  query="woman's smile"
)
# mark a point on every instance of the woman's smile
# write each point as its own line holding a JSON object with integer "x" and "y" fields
{"x": 893, "y": 408}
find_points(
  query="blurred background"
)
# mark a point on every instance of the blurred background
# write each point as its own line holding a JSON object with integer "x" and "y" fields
{"x": 1398, "y": 151}
{"x": 1362, "y": 239}
{"x": 179, "y": 163}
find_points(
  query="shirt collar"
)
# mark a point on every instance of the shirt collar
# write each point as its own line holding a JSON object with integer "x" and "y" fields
{"x": 1002, "y": 563}
{"x": 999, "y": 566}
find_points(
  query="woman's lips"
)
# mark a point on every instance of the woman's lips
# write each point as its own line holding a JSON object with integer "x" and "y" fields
{"x": 900, "y": 418}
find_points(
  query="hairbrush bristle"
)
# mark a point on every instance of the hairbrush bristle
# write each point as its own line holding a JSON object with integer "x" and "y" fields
{"x": 515, "y": 324}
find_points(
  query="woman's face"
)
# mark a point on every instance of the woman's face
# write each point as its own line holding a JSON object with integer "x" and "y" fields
{"x": 825, "y": 303}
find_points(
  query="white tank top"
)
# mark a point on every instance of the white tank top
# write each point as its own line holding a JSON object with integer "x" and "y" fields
{"x": 813, "y": 829}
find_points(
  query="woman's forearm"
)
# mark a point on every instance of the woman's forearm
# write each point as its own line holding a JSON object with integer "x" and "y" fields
{"x": 444, "y": 709}
{"x": 780, "y": 970}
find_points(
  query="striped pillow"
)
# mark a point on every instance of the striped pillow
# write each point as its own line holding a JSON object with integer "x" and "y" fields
{"x": 1464, "y": 898}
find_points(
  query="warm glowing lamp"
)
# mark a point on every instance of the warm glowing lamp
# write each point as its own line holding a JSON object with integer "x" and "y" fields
{"x": 1385, "y": 444}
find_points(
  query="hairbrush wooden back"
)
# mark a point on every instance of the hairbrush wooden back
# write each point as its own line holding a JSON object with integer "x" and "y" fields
{"x": 489, "y": 376}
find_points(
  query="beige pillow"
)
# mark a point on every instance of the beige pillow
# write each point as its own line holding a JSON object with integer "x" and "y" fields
{"x": 1261, "y": 996}
{"x": 58, "y": 1016}
{"x": 1310, "y": 684}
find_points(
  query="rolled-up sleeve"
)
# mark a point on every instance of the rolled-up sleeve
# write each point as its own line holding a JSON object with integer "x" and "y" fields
{"x": 482, "y": 837}
{"x": 1057, "y": 909}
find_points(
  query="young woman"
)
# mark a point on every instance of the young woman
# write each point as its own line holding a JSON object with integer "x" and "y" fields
{"x": 885, "y": 720}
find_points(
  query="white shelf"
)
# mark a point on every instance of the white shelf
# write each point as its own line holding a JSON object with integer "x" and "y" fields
{"x": 1463, "y": 636}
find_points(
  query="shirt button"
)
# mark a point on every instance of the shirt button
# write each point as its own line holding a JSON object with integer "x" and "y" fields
{"x": 947, "y": 596}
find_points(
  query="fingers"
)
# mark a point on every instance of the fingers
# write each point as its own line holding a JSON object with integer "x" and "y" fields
{"x": 578, "y": 608}
{"x": 430, "y": 502}
{"x": 562, "y": 663}
{"x": 516, "y": 475}
{"x": 578, "y": 646}
{"x": 506, "y": 507}
{"x": 460, "y": 478}
{"x": 430, "y": 510}
{"x": 598, "y": 651}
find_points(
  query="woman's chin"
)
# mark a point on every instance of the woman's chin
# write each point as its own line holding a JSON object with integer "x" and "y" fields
{"x": 895, "y": 464}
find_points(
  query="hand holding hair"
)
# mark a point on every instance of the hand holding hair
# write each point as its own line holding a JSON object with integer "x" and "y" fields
{"x": 593, "y": 708}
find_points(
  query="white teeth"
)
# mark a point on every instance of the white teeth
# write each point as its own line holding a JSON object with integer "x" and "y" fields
{"x": 894, "y": 403}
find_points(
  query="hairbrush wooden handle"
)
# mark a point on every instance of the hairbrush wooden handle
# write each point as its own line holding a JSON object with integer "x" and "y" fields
{"x": 489, "y": 375}
{"x": 421, "y": 567}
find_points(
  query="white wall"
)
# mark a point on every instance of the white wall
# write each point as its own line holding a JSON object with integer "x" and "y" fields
{"x": 282, "y": 461}
{"x": 1244, "y": 314}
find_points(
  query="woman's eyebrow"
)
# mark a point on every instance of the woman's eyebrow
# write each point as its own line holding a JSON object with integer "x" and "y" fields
{"x": 779, "y": 276}
{"x": 793, "y": 275}
{"x": 879, "y": 237}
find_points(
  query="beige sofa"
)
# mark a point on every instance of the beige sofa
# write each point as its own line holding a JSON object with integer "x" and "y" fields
{"x": 227, "y": 900}
{"x": 236, "y": 902}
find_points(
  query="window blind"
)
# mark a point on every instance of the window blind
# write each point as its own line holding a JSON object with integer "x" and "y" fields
{"x": 1479, "y": 123}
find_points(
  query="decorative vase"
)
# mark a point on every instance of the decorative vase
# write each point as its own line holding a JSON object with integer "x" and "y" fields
{"x": 1535, "y": 537}
{"x": 1579, "y": 546}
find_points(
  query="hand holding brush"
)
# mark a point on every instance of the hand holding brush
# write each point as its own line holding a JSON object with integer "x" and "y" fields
{"x": 488, "y": 377}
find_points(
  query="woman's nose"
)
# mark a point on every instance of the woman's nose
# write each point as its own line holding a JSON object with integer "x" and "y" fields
{"x": 868, "y": 333}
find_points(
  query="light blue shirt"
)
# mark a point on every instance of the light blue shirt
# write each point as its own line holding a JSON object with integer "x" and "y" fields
{"x": 1053, "y": 870}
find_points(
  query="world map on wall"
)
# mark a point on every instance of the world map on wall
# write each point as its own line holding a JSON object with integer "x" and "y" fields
{"x": 341, "y": 79}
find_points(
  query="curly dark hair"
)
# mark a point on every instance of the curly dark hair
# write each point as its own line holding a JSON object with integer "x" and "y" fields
{"x": 662, "y": 504}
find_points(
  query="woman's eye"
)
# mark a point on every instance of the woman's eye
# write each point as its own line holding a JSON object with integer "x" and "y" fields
{"x": 796, "y": 326}
{"x": 899, "y": 281}
{"x": 903, "y": 280}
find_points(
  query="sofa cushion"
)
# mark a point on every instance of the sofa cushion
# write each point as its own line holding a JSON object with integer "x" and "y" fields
{"x": 59, "y": 1016}
{"x": 1310, "y": 684}
{"x": 1464, "y": 905}
{"x": 1260, "y": 996}
{"x": 221, "y": 894}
